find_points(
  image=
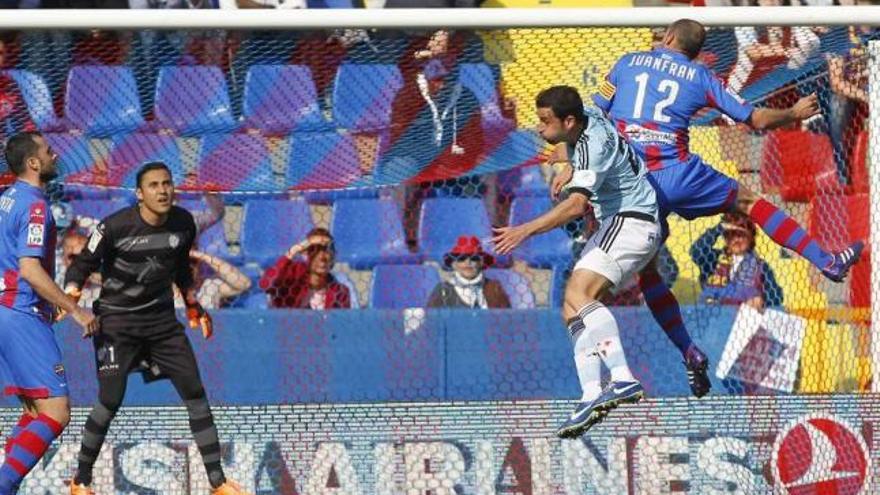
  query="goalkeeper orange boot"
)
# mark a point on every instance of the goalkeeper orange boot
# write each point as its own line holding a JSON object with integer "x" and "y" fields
{"x": 77, "y": 489}
{"x": 229, "y": 488}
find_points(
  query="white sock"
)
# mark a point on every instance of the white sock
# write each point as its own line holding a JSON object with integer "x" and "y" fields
{"x": 587, "y": 362}
{"x": 604, "y": 336}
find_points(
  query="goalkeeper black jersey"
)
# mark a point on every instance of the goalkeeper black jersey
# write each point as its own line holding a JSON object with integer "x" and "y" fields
{"x": 138, "y": 263}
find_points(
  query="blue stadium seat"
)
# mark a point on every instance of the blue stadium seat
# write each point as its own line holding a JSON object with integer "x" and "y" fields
{"x": 481, "y": 81}
{"x": 353, "y": 292}
{"x": 544, "y": 250}
{"x": 38, "y": 99}
{"x": 531, "y": 183}
{"x": 271, "y": 226}
{"x": 515, "y": 285}
{"x": 402, "y": 286}
{"x": 102, "y": 100}
{"x": 213, "y": 239}
{"x": 363, "y": 94}
{"x": 221, "y": 157}
{"x": 443, "y": 220}
{"x": 279, "y": 99}
{"x": 74, "y": 154}
{"x": 193, "y": 100}
{"x": 322, "y": 160}
{"x": 558, "y": 279}
{"x": 369, "y": 232}
{"x": 97, "y": 208}
{"x": 130, "y": 151}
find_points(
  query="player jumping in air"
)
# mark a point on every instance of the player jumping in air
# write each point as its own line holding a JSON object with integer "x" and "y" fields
{"x": 609, "y": 174}
{"x": 30, "y": 360}
{"x": 651, "y": 97}
{"x": 141, "y": 251}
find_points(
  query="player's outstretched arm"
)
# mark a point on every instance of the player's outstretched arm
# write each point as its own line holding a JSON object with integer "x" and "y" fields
{"x": 771, "y": 118}
{"x": 508, "y": 238}
{"x": 33, "y": 272}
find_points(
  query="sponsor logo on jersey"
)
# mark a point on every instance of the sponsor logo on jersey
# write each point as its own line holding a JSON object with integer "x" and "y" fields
{"x": 639, "y": 134}
{"x": 36, "y": 228}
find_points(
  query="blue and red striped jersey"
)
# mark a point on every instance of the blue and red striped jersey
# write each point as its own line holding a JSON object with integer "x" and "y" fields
{"x": 652, "y": 95}
{"x": 27, "y": 229}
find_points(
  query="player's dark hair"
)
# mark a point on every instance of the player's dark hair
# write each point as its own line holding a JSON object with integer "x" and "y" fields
{"x": 563, "y": 100}
{"x": 689, "y": 36}
{"x": 19, "y": 148}
{"x": 149, "y": 167}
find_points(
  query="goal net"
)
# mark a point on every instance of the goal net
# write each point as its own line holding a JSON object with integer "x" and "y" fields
{"x": 377, "y": 365}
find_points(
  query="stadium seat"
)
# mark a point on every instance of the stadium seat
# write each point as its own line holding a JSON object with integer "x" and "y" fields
{"x": 37, "y": 98}
{"x": 523, "y": 181}
{"x": 97, "y": 208}
{"x": 130, "y": 151}
{"x": 402, "y": 286}
{"x": 221, "y": 160}
{"x": 544, "y": 250}
{"x": 515, "y": 285}
{"x": 192, "y": 101}
{"x": 270, "y": 226}
{"x": 837, "y": 220}
{"x": 74, "y": 154}
{"x": 212, "y": 240}
{"x": 279, "y": 99}
{"x": 481, "y": 81}
{"x": 363, "y": 94}
{"x": 353, "y": 292}
{"x": 860, "y": 283}
{"x": 443, "y": 220}
{"x": 558, "y": 279}
{"x": 322, "y": 160}
{"x": 102, "y": 100}
{"x": 858, "y": 166}
{"x": 798, "y": 164}
{"x": 369, "y": 232}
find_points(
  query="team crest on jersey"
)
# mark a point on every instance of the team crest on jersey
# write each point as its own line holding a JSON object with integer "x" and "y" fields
{"x": 59, "y": 369}
{"x": 173, "y": 241}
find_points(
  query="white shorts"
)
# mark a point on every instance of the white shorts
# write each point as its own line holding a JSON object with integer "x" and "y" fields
{"x": 622, "y": 246}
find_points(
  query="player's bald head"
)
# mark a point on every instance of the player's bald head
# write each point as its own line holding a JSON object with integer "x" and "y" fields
{"x": 687, "y": 36}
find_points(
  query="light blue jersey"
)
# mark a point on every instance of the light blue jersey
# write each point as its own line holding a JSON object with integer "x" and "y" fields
{"x": 608, "y": 170}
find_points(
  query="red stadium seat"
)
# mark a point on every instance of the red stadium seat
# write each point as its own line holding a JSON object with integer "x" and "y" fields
{"x": 837, "y": 220}
{"x": 799, "y": 164}
{"x": 860, "y": 283}
{"x": 858, "y": 165}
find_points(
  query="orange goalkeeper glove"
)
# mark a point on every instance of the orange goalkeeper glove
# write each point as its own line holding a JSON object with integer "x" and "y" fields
{"x": 198, "y": 317}
{"x": 75, "y": 293}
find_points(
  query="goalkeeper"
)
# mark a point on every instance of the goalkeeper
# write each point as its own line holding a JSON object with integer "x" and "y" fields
{"x": 140, "y": 251}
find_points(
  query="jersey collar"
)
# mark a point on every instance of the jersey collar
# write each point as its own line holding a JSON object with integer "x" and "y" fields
{"x": 20, "y": 184}
{"x": 671, "y": 52}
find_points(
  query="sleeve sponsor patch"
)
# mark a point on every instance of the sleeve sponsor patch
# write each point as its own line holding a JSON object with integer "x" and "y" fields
{"x": 35, "y": 234}
{"x": 607, "y": 90}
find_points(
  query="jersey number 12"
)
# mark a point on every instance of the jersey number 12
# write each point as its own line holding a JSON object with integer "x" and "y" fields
{"x": 666, "y": 86}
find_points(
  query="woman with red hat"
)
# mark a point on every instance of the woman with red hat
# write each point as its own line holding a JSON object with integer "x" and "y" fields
{"x": 468, "y": 287}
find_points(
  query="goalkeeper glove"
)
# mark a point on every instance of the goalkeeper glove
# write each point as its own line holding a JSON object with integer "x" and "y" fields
{"x": 198, "y": 317}
{"x": 75, "y": 293}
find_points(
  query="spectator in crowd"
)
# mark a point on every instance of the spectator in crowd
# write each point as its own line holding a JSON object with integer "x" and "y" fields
{"x": 72, "y": 244}
{"x": 217, "y": 290}
{"x": 309, "y": 283}
{"x": 468, "y": 287}
{"x": 14, "y": 116}
{"x": 762, "y": 49}
{"x": 734, "y": 274}
{"x": 847, "y": 104}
